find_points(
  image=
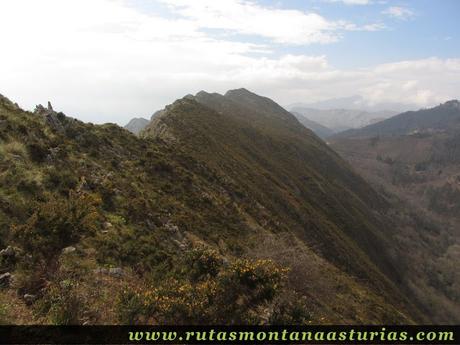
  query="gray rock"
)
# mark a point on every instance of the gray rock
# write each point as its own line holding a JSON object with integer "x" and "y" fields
{"x": 40, "y": 110}
{"x": 171, "y": 227}
{"x": 116, "y": 272}
{"x": 8, "y": 252}
{"x": 5, "y": 279}
{"x": 29, "y": 299}
{"x": 101, "y": 270}
{"x": 107, "y": 225}
{"x": 68, "y": 250}
{"x": 53, "y": 121}
{"x": 50, "y": 116}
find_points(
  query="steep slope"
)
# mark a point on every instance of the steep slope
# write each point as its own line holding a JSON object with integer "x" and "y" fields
{"x": 288, "y": 172}
{"x": 320, "y": 130}
{"x": 136, "y": 125}
{"x": 415, "y": 159}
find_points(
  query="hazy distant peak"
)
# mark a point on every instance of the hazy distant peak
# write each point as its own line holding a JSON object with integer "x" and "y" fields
{"x": 202, "y": 93}
{"x": 455, "y": 104}
{"x": 205, "y": 94}
{"x": 354, "y": 103}
{"x": 136, "y": 125}
{"x": 240, "y": 92}
{"x": 320, "y": 130}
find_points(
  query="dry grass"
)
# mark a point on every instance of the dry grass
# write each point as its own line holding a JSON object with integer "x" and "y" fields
{"x": 13, "y": 310}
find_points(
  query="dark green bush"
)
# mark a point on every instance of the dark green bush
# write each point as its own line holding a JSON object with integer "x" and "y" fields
{"x": 37, "y": 152}
{"x": 56, "y": 224}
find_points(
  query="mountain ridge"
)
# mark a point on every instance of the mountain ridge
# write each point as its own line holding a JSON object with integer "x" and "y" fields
{"x": 214, "y": 185}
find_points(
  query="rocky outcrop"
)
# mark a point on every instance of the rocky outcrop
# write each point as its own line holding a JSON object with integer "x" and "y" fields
{"x": 53, "y": 119}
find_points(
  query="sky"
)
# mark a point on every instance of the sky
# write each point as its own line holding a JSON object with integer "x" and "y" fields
{"x": 112, "y": 60}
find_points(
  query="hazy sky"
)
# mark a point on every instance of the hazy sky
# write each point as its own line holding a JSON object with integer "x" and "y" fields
{"x": 109, "y": 61}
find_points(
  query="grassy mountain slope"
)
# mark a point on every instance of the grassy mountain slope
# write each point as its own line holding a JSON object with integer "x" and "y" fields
{"x": 313, "y": 193}
{"x": 195, "y": 222}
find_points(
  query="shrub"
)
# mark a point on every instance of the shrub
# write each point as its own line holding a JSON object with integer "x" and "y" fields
{"x": 130, "y": 307}
{"x": 30, "y": 182}
{"x": 56, "y": 224}
{"x": 203, "y": 262}
{"x": 291, "y": 309}
{"x": 233, "y": 295}
{"x": 37, "y": 152}
{"x": 61, "y": 180}
{"x": 247, "y": 285}
{"x": 61, "y": 303}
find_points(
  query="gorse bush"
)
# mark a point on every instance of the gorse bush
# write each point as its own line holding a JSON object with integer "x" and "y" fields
{"x": 204, "y": 262}
{"x": 231, "y": 294}
{"x": 291, "y": 309}
{"x": 56, "y": 224}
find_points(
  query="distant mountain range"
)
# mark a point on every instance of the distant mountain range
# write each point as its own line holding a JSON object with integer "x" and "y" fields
{"x": 341, "y": 114}
{"x": 320, "y": 130}
{"x": 355, "y": 103}
{"x": 443, "y": 117}
{"x": 338, "y": 120}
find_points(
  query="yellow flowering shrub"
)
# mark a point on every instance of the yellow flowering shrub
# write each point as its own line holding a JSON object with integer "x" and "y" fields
{"x": 230, "y": 295}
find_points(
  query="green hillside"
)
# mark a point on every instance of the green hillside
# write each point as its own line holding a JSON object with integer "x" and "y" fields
{"x": 226, "y": 210}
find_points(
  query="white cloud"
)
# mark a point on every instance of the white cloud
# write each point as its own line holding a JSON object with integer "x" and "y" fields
{"x": 104, "y": 61}
{"x": 399, "y": 12}
{"x": 247, "y": 17}
{"x": 352, "y": 2}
